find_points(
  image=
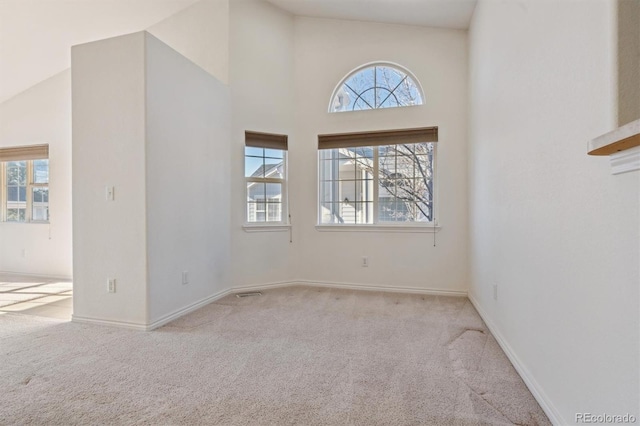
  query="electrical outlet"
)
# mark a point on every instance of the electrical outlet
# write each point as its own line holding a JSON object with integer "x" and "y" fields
{"x": 185, "y": 277}
{"x": 365, "y": 261}
{"x": 110, "y": 193}
{"x": 495, "y": 292}
{"x": 111, "y": 285}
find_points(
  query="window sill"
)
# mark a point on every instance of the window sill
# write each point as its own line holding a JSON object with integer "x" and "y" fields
{"x": 278, "y": 227}
{"x": 380, "y": 228}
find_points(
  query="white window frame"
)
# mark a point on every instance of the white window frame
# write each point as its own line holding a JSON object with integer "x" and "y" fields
{"x": 407, "y": 226}
{"x": 30, "y": 186}
{"x": 266, "y": 225}
{"x": 392, "y": 65}
{"x": 283, "y": 202}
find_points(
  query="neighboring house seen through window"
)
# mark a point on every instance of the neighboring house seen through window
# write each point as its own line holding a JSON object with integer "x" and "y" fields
{"x": 265, "y": 175}
{"x": 24, "y": 179}
{"x": 377, "y": 177}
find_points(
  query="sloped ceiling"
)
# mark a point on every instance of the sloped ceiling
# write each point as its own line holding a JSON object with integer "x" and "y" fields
{"x": 36, "y": 35}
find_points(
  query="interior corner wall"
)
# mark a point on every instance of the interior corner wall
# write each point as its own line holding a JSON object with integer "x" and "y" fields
{"x": 108, "y": 122}
{"x": 262, "y": 99}
{"x": 550, "y": 226}
{"x": 39, "y": 115}
{"x": 325, "y": 52}
{"x": 200, "y": 33}
{"x": 187, "y": 182}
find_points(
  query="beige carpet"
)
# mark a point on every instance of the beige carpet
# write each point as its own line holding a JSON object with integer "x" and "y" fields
{"x": 294, "y": 356}
{"x": 17, "y": 289}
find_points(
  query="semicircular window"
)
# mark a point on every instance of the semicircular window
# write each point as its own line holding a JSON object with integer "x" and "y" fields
{"x": 376, "y": 86}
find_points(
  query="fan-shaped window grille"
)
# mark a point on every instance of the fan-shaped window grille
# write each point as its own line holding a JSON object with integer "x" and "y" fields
{"x": 376, "y": 86}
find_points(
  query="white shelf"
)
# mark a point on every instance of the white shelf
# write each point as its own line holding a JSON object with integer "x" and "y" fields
{"x": 620, "y": 139}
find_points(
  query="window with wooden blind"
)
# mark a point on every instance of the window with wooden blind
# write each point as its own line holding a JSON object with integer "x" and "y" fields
{"x": 265, "y": 165}
{"x": 380, "y": 177}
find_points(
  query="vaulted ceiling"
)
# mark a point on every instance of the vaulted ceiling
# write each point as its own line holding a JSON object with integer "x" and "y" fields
{"x": 36, "y": 35}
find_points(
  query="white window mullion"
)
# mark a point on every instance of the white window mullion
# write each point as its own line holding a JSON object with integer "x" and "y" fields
{"x": 284, "y": 201}
{"x": 3, "y": 192}
{"x": 33, "y": 187}
{"x": 375, "y": 185}
{"x": 29, "y": 194}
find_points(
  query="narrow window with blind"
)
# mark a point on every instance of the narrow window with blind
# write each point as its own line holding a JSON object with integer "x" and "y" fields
{"x": 265, "y": 168}
{"x": 24, "y": 183}
{"x": 384, "y": 177}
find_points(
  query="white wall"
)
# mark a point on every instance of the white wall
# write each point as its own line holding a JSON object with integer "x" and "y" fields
{"x": 187, "y": 177}
{"x": 327, "y": 50}
{"x": 550, "y": 225}
{"x": 260, "y": 56}
{"x": 41, "y": 115}
{"x": 109, "y": 237}
{"x": 262, "y": 99}
{"x": 200, "y": 33}
{"x": 155, "y": 126}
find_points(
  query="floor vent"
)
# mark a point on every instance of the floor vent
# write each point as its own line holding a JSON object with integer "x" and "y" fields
{"x": 255, "y": 293}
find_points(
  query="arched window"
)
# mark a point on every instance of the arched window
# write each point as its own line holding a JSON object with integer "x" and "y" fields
{"x": 373, "y": 86}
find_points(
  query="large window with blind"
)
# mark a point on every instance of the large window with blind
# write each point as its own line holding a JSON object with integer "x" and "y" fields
{"x": 384, "y": 177}
{"x": 24, "y": 184}
{"x": 265, "y": 167}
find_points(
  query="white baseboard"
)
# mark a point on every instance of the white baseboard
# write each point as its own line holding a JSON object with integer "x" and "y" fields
{"x": 386, "y": 289}
{"x": 352, "y": 286}
{"x": 257, "y": 287}
{"x": 265, "y": 286}
{"x": 46, "y": 276}
{"x": 157, "y": 323}
{"x": 534, "y": 387}
{"x": 187, "y": 309}
{"x": 110, "y": 323}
